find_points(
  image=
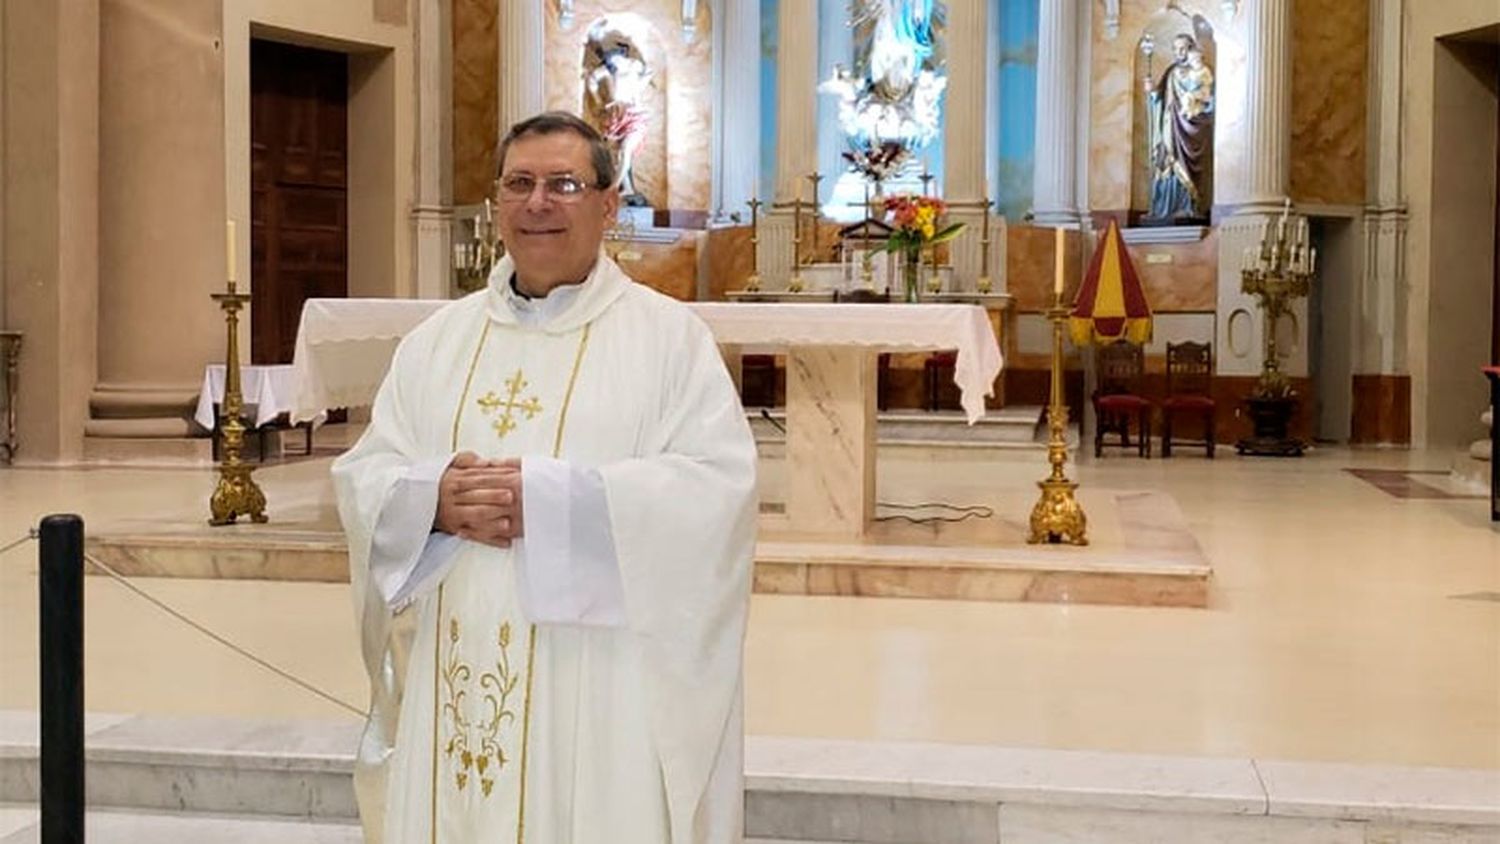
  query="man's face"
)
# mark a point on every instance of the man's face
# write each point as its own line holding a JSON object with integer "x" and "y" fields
{"x": 1180, "y": 48}
{"x": 553, "y": 238}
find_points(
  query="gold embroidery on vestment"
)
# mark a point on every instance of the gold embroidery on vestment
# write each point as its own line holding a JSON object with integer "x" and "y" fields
{"x": 506, "y": 421}
{"x": 475, "y": 747}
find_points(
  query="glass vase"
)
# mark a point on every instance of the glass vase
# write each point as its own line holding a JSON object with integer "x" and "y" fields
{"x": 911, "y": 276}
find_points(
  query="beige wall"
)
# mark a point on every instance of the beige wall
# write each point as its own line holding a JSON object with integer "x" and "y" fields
{"x": 476, "y": 68}
{"x": 1431, "y": 355}
{"x": 1329, "y": 99}
{"x": 51, "y": 174}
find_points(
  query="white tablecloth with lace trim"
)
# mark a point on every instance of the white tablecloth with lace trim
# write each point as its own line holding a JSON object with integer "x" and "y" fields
{"x": 344, "y": 346}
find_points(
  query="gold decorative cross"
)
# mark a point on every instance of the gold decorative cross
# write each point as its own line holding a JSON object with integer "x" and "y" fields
{"x": 506, "y": 422}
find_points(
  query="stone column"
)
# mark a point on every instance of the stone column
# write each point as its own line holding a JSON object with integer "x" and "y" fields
{"x": 432, "y": 215}
{"x": 1268, "y": 115}
{"x": 51, "y": 177}
{"x": 964, "y": 131}
{"x": 522, "y": 28}
{"x": 736, "y": 168}
{"x": 796, "y": 131}
{"x": 1239, "y": 342}
{"x": 1055, "y": 195}
{"x": 1380, "y": 334}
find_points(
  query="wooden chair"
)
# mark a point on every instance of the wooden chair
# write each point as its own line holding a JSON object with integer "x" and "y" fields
{"x": 1121, "y": 367}
{"x": 1190, "y": 368}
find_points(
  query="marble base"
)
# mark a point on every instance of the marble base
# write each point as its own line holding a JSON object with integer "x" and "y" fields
{"x": 799, "y": 789}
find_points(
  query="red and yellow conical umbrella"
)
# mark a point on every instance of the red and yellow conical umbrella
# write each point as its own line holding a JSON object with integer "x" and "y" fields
{"x": 1111, "y": 304}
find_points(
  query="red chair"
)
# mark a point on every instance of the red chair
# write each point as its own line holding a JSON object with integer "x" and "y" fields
{"x": 1190, "y": 368}
{"x": 1121, "y": 367}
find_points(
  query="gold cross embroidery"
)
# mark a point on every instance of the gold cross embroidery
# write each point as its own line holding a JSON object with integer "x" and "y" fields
{"x": 506, "y": 422}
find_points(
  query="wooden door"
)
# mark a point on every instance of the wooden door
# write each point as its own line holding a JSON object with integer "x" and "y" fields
{"x": 298, "y": 189}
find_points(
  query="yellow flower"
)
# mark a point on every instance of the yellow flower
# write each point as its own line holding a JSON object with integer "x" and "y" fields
{"x": 928, "y": 230}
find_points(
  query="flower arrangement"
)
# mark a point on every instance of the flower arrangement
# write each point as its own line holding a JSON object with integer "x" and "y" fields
{"x": 916, "y": 223}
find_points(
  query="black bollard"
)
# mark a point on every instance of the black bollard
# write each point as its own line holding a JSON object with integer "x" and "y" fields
{"x": 62, "y": 679}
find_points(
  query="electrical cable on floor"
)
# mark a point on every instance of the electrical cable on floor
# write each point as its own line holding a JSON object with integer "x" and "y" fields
{"x": 975, "y": 511}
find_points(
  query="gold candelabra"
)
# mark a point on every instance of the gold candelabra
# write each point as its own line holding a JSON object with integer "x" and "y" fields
{"x": 472, "y": 260}
{"x": 815, "y": 177}
{"x": 752, "y": 283}
{"x": 795, "y": 283}
{"x": 1278, "y": 273}
{"x": 866, "y": 265}
{"x": 236, "y": 493}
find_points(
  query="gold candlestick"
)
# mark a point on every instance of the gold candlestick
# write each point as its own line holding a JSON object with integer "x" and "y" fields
{"x": 794, "y": 284}
{"x": 983, "y": 284}
{"x": 815, "y": 177}
{"x": 866, "y": 266}
{"x": 1057, "y": 516}
{"x": 752, "y": 283}
{"x": 236, "y": 494}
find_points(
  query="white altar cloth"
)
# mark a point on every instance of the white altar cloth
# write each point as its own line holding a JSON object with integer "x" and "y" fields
{"x": 270, "y": 390}
{"x": 891, "y": 327}
{"x": 344, "y": 346}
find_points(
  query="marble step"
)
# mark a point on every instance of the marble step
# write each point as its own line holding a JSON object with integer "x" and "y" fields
{"x": 19, "y": 825}
{"x": 1017, "y": 426}
{"x": 808, "y": 790}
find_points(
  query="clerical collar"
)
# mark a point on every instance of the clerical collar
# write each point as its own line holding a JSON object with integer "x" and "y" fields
{"x": 534, "y": 310}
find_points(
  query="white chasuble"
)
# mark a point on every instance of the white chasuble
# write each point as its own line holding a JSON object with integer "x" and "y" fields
{"x": 491, "y": 720}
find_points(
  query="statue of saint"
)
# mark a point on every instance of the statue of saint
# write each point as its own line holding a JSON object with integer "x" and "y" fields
{"x": 1180, "y": 109}
{"x": 615, "y": 83}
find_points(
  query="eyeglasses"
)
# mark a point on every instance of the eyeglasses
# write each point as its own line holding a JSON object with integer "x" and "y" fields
{"x": 518, "y": 187}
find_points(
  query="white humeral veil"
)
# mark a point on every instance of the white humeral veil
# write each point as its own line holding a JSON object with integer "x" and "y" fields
{"x": 490, "y": 722}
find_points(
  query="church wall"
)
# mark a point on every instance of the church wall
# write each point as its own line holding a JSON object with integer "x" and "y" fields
{"x": 673, "y": 164}
{"x": 476, "y": 68}
{"x": 1329, "y": 100}
{"x": 51, "y": 171}
{"x": 1422, "y": 146}
{"x": 161, "y": 192}
{"x": 1115, "y": 87}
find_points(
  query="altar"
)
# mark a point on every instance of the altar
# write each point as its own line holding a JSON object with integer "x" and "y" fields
{"x": 344, "y": 348}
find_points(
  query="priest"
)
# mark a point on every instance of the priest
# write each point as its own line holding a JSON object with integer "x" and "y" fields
{"x": 551, "y": 518}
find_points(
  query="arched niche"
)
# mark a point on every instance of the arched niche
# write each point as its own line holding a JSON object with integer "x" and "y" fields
{"x": 1160, "y": 31}
{"x": 650, "y": 160}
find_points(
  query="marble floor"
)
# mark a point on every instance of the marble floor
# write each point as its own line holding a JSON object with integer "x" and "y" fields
{"x": 1347, "y": 622}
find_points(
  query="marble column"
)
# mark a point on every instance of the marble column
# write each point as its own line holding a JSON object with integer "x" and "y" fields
{"x": 736, "y": 166}
{"x": 1055, "y": 181}
{"x": 50, "y": 171}
{"x": 1380, "y": 336}
{"x": 1268, "y": 115}
{"x": 965, "y": 137}
{"x": 522, "y": 29}
{"x": 1240, "y": 331}
{"x": 796, "y": 131}
{"x": 432, "y": 215}
{"x": 830, "y": 440}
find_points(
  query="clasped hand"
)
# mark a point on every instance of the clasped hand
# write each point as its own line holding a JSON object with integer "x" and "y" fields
{"x": 480, "y": 500}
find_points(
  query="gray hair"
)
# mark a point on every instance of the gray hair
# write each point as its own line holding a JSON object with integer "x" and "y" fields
{"x": 553, "y": 122}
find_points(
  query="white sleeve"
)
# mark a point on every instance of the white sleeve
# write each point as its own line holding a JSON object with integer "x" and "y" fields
{"x": 566, "y": 568}
{"x": 407, "y": 557}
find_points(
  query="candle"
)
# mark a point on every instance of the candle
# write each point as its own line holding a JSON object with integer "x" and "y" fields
{"x": 1061, "y": 243}
{"x": 229, "y": 250}
{"x": 1312, "y": 261}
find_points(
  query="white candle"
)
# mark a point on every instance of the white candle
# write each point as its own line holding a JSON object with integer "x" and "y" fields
{"x": 1061, "y": 244}
{"x": 229, "y": 250}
